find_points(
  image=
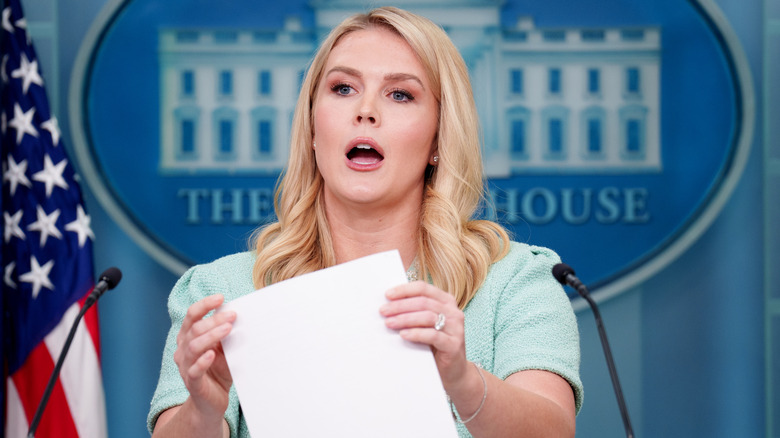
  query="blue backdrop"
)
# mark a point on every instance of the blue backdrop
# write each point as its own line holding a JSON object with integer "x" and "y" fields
{"x": 689, "y": 342}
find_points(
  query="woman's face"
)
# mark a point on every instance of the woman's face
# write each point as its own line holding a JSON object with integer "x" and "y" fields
{"x": 375, "y": 120}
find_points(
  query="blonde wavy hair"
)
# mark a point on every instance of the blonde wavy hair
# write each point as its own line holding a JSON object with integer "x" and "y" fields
{"x": 454, "y": 251}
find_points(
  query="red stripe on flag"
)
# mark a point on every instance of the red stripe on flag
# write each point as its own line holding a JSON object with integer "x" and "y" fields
{"x": 30, "y": 381}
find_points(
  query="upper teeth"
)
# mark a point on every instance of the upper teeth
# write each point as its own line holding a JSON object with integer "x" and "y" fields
{"x": 363, "y": 146}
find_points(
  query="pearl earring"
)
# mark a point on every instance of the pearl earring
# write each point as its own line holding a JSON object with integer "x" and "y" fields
{"x": 314, "y": 144}
{"x": 435, "y": 158}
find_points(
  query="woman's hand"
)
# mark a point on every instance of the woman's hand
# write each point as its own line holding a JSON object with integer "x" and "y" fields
{"x": 414, "y": 310}
{"x": 546, "y": 399}
{"x": 200, "y": 357}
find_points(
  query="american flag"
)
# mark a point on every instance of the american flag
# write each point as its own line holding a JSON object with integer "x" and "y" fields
{"x": 46, "y": 256}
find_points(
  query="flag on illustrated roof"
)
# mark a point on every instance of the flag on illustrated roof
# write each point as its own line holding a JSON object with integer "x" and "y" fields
{"x": 46, "y": 256}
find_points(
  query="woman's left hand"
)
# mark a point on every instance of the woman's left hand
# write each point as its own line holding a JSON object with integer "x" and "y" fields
{"x": 547, "y": 400}
{"x": 414, "y": 310}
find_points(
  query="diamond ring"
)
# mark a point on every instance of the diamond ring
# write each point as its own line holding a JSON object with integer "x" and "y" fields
{"x": 440, "y": 322}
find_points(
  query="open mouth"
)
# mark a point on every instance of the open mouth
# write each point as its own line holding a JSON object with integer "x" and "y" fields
{"x": 364, "y": 154}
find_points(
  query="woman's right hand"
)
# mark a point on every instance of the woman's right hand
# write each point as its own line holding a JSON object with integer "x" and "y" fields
{"x": 200, "y": 358}
{"x": 203, "y": 368}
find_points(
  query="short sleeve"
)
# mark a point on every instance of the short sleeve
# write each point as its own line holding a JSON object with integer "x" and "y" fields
{"x": 535, "y": 326}
{"x": 197, "y": 283}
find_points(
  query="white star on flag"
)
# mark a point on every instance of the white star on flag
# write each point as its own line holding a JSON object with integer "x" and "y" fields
{"x": 23, "y": 123}
{"x": 53, "y": 127}
{"x": 7, "y": 20}
{"x": 81, "y": 226}
{"x": 38, "y": 276}
{"x": 51, "y": 175}
{"x": 46, "y": 224}
{"x": 12, "y": 225}
{"x": 15, "y": 174}
{"x": 7, "y": 275}
{"x": 28, "y": 71}
{"x": 2, "y": 69}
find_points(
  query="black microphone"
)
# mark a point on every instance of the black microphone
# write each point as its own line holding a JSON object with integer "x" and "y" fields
{"x": 107, "y": 281}
{"x": 565, "y": 275}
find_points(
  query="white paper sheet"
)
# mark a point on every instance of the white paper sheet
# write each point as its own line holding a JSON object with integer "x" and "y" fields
{"x": 311, "y": 357}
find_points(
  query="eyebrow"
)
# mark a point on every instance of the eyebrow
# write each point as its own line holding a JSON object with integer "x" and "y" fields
{"x": 388, "y": 77}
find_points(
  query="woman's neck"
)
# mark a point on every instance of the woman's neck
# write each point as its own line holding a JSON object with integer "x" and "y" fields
{"x": 358, "y": 232}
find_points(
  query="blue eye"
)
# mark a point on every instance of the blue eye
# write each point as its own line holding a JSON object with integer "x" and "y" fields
{"x": 401, "y": 95}
{"x": 342, "y": 89}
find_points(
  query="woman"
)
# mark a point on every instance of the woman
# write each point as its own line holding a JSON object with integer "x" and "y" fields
{"x": 385, "y": 155}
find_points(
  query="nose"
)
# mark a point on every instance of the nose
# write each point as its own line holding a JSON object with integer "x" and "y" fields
{"x": 367, "y": 112}
{"x": 366, "y": 116}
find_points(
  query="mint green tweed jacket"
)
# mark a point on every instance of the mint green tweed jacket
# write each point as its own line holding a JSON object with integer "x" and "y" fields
{"x": 519, "y": 319}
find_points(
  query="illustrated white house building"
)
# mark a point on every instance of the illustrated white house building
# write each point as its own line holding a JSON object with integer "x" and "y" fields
{"x": 562, "y": 100}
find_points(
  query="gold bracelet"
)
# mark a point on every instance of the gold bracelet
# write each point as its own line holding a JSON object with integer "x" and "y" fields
{"x": 455, "y": 415}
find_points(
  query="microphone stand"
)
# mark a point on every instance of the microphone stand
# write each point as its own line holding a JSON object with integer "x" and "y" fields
{"x": 108, "y": 280}
{"x": 565, "y": 275}
{"x": 53, "y": 378}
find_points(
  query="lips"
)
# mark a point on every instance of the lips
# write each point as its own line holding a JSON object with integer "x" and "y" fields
{"x": 364, "y": 154}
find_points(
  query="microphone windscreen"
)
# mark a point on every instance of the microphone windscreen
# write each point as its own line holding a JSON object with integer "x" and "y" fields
{"x": 111, "y": 276}
{"x": 561, "y": 271}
